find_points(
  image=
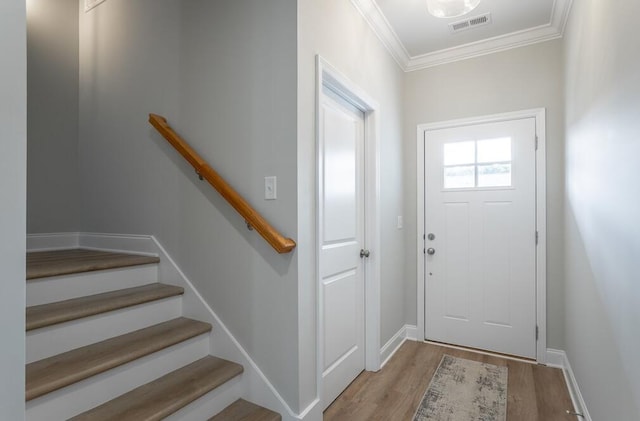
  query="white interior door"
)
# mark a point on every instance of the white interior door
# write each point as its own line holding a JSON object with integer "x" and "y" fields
{"x": 341, "y": 236}
{"x": 480, "y": 245}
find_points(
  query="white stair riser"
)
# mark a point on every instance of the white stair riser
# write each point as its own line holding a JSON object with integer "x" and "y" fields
{"x": 87, "y": 394}
{"x": 52, "y": 340}
{"x": 211, "y": 403}
{"x": 59, "y": 288}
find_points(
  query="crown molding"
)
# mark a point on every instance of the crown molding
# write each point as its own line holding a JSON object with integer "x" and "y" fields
{"x": 382, "y": 28}
{"x": 486, "y": 46}
{"x": 371, "y": 12}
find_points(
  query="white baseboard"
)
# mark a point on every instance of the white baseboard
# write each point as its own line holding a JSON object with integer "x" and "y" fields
{"x": 412, "y": 332}
{"x": 555, "y": 358}
{"x": 257, "y": 387}
{"x": 558, "y": 358}
{"x": 53, "y": 241}
{"x": 125, "y": 243}
{"x": 138, "y": 244}
{"x": 392, "y": 345}
{"x": 313, "y": 412}
{"x": 407, "y": 332}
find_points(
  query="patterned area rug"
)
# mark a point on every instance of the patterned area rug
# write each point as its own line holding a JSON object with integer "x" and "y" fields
{"x": 464, "y": 390}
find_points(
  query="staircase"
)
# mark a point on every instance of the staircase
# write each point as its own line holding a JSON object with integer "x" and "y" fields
{"x": 106, "y": 341}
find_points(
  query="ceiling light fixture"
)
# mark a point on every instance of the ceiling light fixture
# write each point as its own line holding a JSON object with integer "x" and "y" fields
{"x": 451, "y": 8}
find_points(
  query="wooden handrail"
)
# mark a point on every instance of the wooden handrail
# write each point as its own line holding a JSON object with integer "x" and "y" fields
{"x": 280, "y": 243}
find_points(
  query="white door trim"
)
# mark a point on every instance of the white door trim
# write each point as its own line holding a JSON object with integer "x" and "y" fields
{"x": 539, "y": 114}
{"x": 327, "y": 75}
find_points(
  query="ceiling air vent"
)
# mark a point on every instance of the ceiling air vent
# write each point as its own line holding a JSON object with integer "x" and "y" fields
{"x": 469, "y": 23}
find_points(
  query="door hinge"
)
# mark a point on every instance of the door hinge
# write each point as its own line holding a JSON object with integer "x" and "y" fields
{"x": 537, "y": 237}
{"x": 537, "y": 332}
{"x": 536, "y": 142}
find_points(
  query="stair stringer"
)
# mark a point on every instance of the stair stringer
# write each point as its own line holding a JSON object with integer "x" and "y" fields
{"x": 256, "y": 386}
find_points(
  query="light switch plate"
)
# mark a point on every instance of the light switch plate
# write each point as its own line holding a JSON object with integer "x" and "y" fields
{"x": 270, "y": 188}
{"x": 400, "y": 222}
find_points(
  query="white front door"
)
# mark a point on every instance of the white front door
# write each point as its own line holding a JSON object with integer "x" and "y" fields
{"x": 341, "y": 237}
{"x": 480, "y": 243}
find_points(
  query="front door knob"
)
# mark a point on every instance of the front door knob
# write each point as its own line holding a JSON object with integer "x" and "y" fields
{"x": 431, "y": 251}
{"x": 364, "y": 253}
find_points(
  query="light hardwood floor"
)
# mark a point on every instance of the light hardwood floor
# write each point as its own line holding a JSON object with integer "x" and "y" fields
{"x": 534, "y": 392}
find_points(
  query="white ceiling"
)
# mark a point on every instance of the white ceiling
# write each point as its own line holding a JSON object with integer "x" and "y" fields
{"x": 418, "y": 40}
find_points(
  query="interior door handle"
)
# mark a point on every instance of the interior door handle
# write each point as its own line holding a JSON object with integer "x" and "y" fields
{"x": 364, "y": 253}
{"x": 431, "y": 251}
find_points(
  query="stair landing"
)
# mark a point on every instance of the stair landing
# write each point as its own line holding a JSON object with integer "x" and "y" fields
{"x": 42, "y": 264}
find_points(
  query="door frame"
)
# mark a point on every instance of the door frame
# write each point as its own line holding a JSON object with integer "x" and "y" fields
{"x": 327, "y": 75}
{"x": 539, "y": 114}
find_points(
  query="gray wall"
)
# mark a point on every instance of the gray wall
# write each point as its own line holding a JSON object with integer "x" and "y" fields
{"x": 518, "y": 79}
{"x": 13, "y": 159}
{"x": 52, "y": 118}
{"x": 335, "y": 30}
{"x": 603, "y": 205}
{"x": 224, "y": 74}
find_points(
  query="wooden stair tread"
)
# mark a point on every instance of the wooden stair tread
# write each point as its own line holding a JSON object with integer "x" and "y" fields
{"x": 242, "y": 410}
{"x": 166, "y": 395}
{"x": 61, "y": 370}
{"x": 42, "y": 264}
{"x": 63, "y": 311}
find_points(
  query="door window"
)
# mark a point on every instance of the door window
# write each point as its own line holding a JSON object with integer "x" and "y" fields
{"x": 477, "y": 164}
